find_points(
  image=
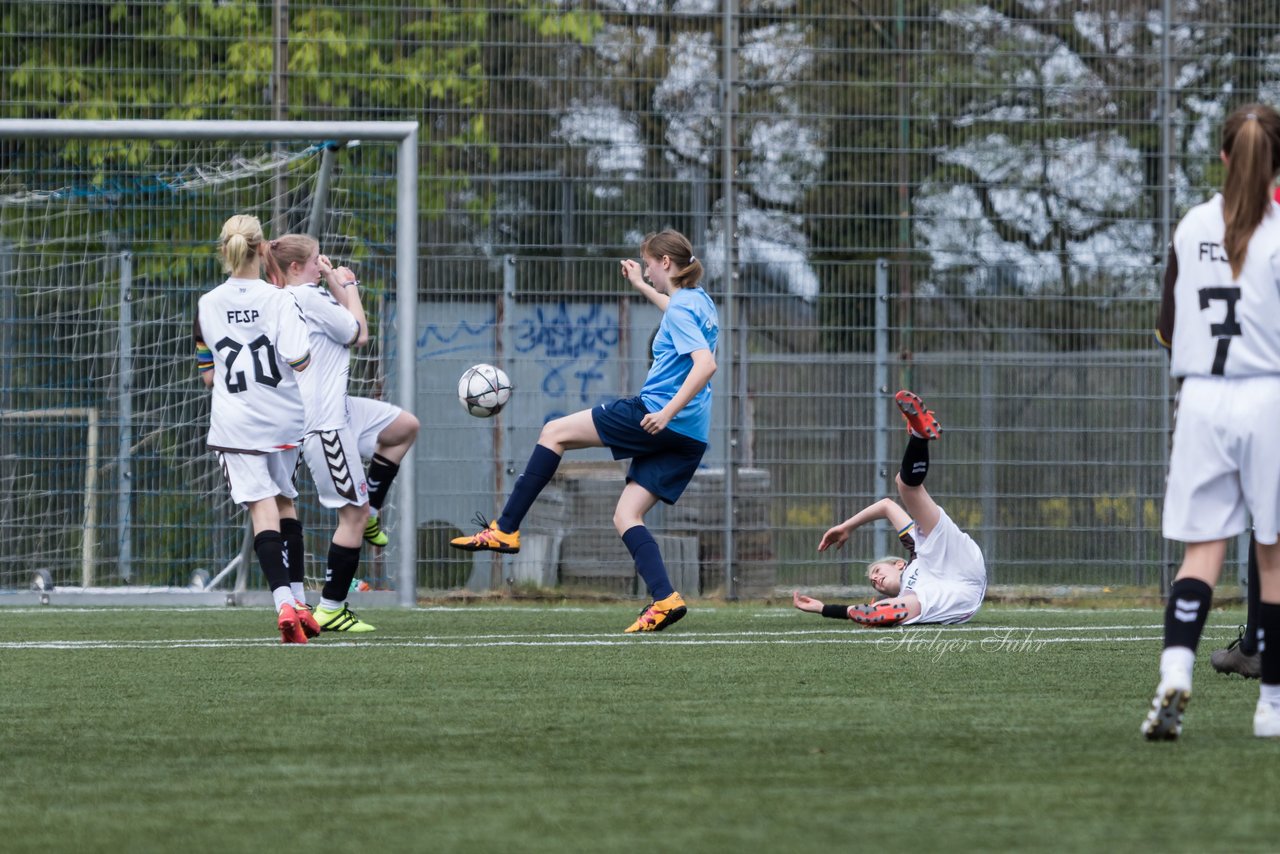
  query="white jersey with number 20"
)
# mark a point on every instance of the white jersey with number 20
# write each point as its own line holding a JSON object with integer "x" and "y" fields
{"x": 256, "y": 334}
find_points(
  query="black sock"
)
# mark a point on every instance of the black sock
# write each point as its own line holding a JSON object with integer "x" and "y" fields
{"x": 1253, "y": 596}
{"x": 295, "y": 559}
{"x": 1269, "y": 627}
{"x": 270, "y": 548}
{"x": 343, "y": 562}
{"x": 915, "y": 461}
{"x": 1186, "y": 612}
{"x": 381, "y": 472}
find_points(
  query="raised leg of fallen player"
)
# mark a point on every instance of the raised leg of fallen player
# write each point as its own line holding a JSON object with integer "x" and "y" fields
{"x": 919, "y": 505}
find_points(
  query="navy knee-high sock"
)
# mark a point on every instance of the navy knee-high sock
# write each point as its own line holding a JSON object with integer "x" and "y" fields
{"x": 1186, "y": 612}
{"x": 644, "y": 551}
{"x": 542, "y": 465}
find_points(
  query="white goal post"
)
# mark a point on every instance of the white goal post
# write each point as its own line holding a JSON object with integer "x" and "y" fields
{"x": 404, "y": 135}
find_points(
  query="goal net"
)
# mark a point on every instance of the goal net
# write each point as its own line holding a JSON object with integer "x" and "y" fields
{"x": 106, "y": 244}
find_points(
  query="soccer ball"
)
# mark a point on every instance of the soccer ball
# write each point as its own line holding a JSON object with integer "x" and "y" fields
{"x": 483, "y": 390}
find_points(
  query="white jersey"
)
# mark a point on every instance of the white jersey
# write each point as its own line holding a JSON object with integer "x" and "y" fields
{"x": 1221, "y": 326}
{"x": 257, "y": 336}
{"x": 332, "y": 330}
{"x": 948, "y": 575}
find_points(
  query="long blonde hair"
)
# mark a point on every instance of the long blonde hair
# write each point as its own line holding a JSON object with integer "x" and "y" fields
{"x": 1251, "y": 143}
{"x": 241, "y": 240}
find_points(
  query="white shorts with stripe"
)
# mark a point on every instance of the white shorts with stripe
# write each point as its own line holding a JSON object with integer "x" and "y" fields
{"x": 254, "y": 477}
{"x": 335, "y": 466}
{"x": 1225, "y": 465}
{"x": 368, "y": 418}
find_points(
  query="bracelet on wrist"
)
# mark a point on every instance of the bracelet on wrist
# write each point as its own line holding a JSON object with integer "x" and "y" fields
{"x": 351, "y": 283}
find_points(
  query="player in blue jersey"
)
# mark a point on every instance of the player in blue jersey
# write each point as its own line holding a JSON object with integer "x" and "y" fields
{"x": 663, "y": 430}
{"x": 1218, "y": 317}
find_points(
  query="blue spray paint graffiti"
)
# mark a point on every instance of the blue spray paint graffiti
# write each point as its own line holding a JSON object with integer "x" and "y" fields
{"x": 559, "y": 353}
{"x": 436, "y": 341}
{"x": 573, "y": 346}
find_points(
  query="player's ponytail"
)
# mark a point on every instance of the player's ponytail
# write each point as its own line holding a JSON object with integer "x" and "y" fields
{"x": 674, "y": 245}
{"x": 1251, "y": 144}
{"x": 239, "y": 242}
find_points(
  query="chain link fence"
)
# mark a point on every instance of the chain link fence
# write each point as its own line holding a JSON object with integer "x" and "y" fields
{"x": 968, "y": 198}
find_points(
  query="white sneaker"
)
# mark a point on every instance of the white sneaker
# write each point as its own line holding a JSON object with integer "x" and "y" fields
{"x": 1164, "y": 721}
{"x": 1266, "y": 720}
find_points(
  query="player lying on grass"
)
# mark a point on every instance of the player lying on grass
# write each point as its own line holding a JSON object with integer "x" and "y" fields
{"x": 944, "y": 578}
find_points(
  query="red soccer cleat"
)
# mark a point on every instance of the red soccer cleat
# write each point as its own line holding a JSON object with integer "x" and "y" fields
{"x": 920, "y": 421}
{"x": 290, "y": 625}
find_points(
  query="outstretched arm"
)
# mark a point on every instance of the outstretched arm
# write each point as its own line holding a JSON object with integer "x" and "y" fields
{"x": 882, "y": 614}
{"x": 885, "y": 508}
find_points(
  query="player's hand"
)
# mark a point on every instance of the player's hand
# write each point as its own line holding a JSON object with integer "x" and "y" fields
{"x": 836, "y": 536}
{"x": 655, "y": 422}
{"x": 345, "y": 275}
{"x": 325, "y": 265}
{"x": 632, "y": 272}
{"x": 806, "y": 603}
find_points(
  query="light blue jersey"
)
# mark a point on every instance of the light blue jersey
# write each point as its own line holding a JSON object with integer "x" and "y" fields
{"x": 689, "y": 323}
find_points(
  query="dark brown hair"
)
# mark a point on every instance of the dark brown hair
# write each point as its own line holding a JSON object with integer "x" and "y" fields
{"x": 1251, "y": 143}
{"x": 677, "y": 247}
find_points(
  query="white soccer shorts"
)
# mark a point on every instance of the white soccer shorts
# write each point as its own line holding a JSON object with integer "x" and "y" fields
{"x": 254, "y": 477}
{"x": 335, "y": 467}
{"x": 1225, "y": 465}
{"x": 368, "y": 418}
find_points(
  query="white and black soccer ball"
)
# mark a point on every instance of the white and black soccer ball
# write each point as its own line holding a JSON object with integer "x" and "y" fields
{"x": 483, "y": 390}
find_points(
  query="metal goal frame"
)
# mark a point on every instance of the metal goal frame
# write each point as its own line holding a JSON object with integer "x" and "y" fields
{"x": 405, "y": 136}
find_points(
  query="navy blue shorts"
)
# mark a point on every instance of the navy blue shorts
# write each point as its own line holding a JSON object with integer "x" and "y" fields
{"x": 663, "y": 464}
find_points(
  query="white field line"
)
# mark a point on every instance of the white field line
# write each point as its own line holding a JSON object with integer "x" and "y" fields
{"x": 771, "y": 613}
{"x": 924, "y": 638}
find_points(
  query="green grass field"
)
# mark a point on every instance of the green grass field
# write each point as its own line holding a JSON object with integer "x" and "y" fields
{"x": 532, "y": 728}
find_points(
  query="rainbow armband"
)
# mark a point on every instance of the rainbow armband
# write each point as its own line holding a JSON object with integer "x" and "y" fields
{"x": 204, "y": 358}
